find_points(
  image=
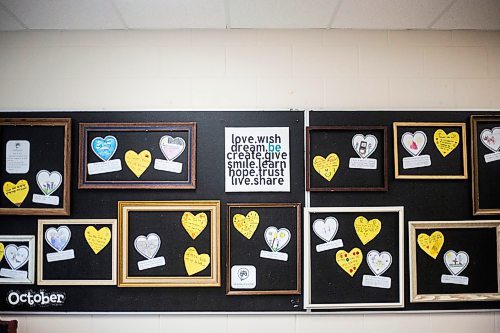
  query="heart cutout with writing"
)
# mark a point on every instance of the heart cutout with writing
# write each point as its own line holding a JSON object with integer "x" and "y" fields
{"x": 456, "y": 262}
{"x": 367, "y": 230}
{"x": 58, "y": 238}
{"x": 2, "y": 251}
{"x": 147, "y": 246}
{"x": 414, "y": 143}
{"x": 349, "y": 261}
{"x": 97, "y": 239}
{"x": 104, "y": 148}
{"x": 326, "y": 229}
{"x": 378, "y": 262}
{"x": 446, "y": 143}
{"x": 16, "y": 256}
{"x": 172, "y": 147}
{"x": 363, "y": 145}
{"x": 194, "y": 224}
{"x": 48, "y": 182}
{"x": 138, "y": 163}
{"x": 491, "y": 138}
{"x": 326, "y": 167}
{"x": 16, "y": 193}
{"x": 431, "y": 244}
{"x": 195, "y": 262}
{"x": 246, "y": 225}
{"x": 276, "y": 238}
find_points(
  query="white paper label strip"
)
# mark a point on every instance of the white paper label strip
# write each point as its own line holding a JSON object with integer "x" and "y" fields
{"x": 363, "y": 163}
{"x": 243, "y": 277}
{"x": 416, "y": 162}
{"x": 329, "y": 245}
{"x": 104, "y": 167}
{"x": 150, "y": 263}
{"x": 376, "y": 281}
{"x": 14, "y": 274}
{"x": 60, "y": 256}
{"x": 274, "y": 255}
{"x": 455, "y": 279}
{"x": 169, "y": 166}
{"x": 46, "y": 199}
{"x": 492, "y": 157}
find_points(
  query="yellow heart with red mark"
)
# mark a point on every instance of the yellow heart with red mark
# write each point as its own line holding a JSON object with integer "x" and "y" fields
{"x": 195, "y": 262}
{"x": 194, "y": 224}
{"x": 446, "y": 143}
{"x": 246, "y": 225}
{"x": 367, "y": 230}
{"x": 138, "y": 163}
{"x": 349, "y": 261}
{"x": 431, "y": 244}
{"x": 97, "y": 239}
{"x": 326, "y": 167}
{"x": 16, "y": 193}
{"x": 2, "y": 251}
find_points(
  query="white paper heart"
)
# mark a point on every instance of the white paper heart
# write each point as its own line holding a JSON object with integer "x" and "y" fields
{"x": 148, "y": 246}
{"x": 378, "y": 262}
{"x": 172, "y": 147}
{"x": 48, "y": 182}
{"x": 456, "y": 262}
{"x": 491, "y": 138}
{"x": 326, "y": 229}
{"x": 58, "y": 238}
{"x": 276, "y": 238}
{"x": 364, "y": 146}
{"x": 16, "y": 256}
{"x": 414, "y": 143}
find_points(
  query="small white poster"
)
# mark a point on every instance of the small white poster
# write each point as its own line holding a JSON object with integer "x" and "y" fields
{"x": 17, "y": 156}
{"x": 257, "y": 159}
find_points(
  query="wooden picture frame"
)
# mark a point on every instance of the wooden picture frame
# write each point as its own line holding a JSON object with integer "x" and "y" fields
{"x": 480, "y": 166}
{"x": 315, "y": 182}
{"x": 128, "y": 208}
{"x": 351, "y": 245}
{"x": 294, "y": 223}
{"x": 481, "y": 226}
{"x": 181, "y": 165}
{"x": 459, "y": 152}
{"x": 63, "y": 145}
{"x": 109, "y": 249}
{"x": 30, "y": 276}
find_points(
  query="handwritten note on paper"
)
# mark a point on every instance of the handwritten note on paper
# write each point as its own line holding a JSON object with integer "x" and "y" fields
{"x": 367, "y": 230}
{"x": 431, "y": 244}
{"x": 446, "y": 143}
{"x": 195, "y": 262}
{"x": 138, "y": 163}
{"x": 349, "y": 261}
{"x": 194, "y": 224}
{"x": 97, "y": 239}
{"x": 246, "y": 225}
{"x": 326, "y": 167}
{"x": 16, "y": 193}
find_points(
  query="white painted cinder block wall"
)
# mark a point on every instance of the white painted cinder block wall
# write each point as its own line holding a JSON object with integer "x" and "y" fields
{"x": 252, "y": 69}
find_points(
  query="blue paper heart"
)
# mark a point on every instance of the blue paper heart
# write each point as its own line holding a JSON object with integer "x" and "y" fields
{"x": 104, "y": 148}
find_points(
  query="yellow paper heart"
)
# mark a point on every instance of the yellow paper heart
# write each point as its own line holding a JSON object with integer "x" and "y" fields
{"x": 195, "y": 262}
{"x": 138, "y": 163}
{"x": 246, "y": 225}
{"x": 97, "y": 239}
{"x": 349, "y": 262}
{"x": 445, "y": 143}
{"x": 2, "y": 251}
{"x": 326, "y": 167}
{"x": 16, "y": 193}
{"x": 431, "y": 244}
{"x": 194, "y": 224}
{"x": 367, "y": 230}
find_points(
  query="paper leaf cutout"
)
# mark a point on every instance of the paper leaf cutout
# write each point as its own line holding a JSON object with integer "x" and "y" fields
{"x": 195, "y": 262}
{"x": 414, "y": 143}
{"x": 431, "y": 244}
{"x": 456, "y": 262}
{"x": 97, "y": 239}
{"x": 491, "y": 138}
{"x": 138, "y": 163}
{"x": 351, "y": 261}
{"x": 276, "y": 238}
{"x": 194, "y": 224}
{"x": 16, "y": 256}
{"x": 446, "y": 143}
{"x": 48, "y": 182}
{"x": 326, "y": 229}
{"x": 104, "y": 148}
{"x": 378, "y": 262}
{"x": 16, "y": 193}
{"x": 246, "y": 225}
{"x": 367, "y": 230}
{"x": 326, "y": 167}
{"x": 58, "y": 238}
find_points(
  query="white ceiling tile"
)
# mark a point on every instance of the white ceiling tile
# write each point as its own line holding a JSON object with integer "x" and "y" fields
{"x": 276, "y": 14}
{"x": 388, "y": 14}
{"x": 65, "y": 14}
{"x": 172, "y": 14}
{"x": 7, "y": 22}
{"x": 467, "y": 14}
